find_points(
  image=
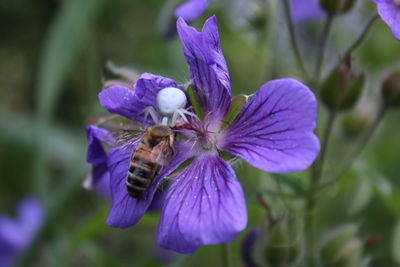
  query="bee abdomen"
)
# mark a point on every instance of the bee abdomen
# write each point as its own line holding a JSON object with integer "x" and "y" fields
{"x": 141, "y": 172}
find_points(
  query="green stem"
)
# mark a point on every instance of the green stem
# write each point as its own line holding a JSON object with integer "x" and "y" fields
{"x": 314, "y": 185}
{"x": 293, "y": 39}
{"x": 362, "y": 35}
{"x": 226, "y": 261}
{"x": 322, "y": 46}
{"x": 352, "y": 156}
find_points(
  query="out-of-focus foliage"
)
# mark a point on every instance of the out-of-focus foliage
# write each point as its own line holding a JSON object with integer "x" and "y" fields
{"x": 52, "y": 65}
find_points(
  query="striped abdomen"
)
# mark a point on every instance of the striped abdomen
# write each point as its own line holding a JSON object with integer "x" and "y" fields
{"x": 142, "y": 170}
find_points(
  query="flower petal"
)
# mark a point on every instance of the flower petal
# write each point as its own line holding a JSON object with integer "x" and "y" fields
{"x": 97, "y": 156}
{"x": 390, "y": 14}
{"x": 130, "y": 102}
{"x": 305, "y": 10}
{"x": 247, "y": 248}
{"x": 209, "y": 72}
{"x": 30, "y": 216}
{"x": 273, "y": 131}
{"x": 205, "y": 205}
{"x": 191, "y": 9}
{"x": 125, "y": 210}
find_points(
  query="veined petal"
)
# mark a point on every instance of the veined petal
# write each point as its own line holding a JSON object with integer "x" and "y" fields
{"x": 205, "y": 205}
{"x": 191, "y": 9}
{"x": 274, "y": 130}
{"x": 131, "y": 102}
{"x": 125, "y": 210}
{"x": 209, "y": 72}
{"x": 390, "y": 14}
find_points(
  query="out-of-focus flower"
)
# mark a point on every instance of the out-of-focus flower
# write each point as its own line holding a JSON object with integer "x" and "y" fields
{"x": 205, "y": 204}
{"x": 305, "y": 10}
{"x": 16, "y": 234}
{"x": 191, "y": 9}
{"x": 389, "y": 11}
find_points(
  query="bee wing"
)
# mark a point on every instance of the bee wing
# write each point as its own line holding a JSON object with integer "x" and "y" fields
{"x": 162, "y": 152}
{"x": 124, "y": 138}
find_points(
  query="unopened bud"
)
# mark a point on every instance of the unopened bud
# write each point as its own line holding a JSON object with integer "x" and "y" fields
{"x": 342, "y": 88}
{"x": 335, "y": 7}
{"x": 342, "y": 248}
{"x": 356, "y": 122}
{"x": 283, "y": 245}
{"x": 391, "y": 88}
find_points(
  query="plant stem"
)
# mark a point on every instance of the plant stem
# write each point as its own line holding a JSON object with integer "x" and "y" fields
{"x": 359, "y": 148}
{"x": 293, "y": 39}
{"x": 226, "y": 261}
{"x": 314, "y": 185}
{"x": 322, "y": 46}
{"x": 362, "y": 35}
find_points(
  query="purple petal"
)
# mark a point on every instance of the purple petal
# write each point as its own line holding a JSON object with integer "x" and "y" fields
{"x": 11, "y": 234}
{"x": 390, "y": 14}
{"x": 274, "y": 130}
{"x": 304, "y": 10}
{"x": 209, "y": 72}
{"x": 125, "y": 210}
{"x": 96, "y": 135}
{"x": 204, "y": 206}
{"x": 158, "y": 201}
{"x": 130, "y": 102}
{"x": 30, "y": 216}
{"x": 16, "y": 234}
{"x": 191, "y": 9}
{"x": 97, "y": 156}
{"x": 248, "y": 247}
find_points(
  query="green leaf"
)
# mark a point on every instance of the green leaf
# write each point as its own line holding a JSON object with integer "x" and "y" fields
{"x": 236, "y": 106}
{"x": 195, "y": 104}
{"x": 67, "y": 34}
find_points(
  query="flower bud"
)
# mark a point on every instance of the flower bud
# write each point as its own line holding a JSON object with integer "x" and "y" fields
{"x": 356, "y": 122}
{"x": 335, "y": 7}
{"x": 342, "y": 249}
{"x": 343, "y": 87}
{"x": 284, "y": 243}
{"x": 391, "y": 88}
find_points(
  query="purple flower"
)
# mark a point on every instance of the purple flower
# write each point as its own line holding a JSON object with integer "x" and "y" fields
{"x": 305, "y": 10}
{"x": 389, "y": 10}
{"x": 205, "y": 204}
{"x": 16, "y": 234}
{"x": 99, "y": 177}
{"x": 191, "y": 9}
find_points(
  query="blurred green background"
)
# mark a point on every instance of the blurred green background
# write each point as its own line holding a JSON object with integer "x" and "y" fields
{"x": 52, "y": 66}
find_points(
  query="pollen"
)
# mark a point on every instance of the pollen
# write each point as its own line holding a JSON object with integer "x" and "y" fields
{"x": 169, "y": 100}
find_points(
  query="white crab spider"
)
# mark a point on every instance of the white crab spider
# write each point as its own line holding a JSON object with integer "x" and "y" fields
{"x": 171, "y": 104}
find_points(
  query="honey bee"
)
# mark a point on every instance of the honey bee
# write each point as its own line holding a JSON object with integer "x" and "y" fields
{"x": 153, "y": 152}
